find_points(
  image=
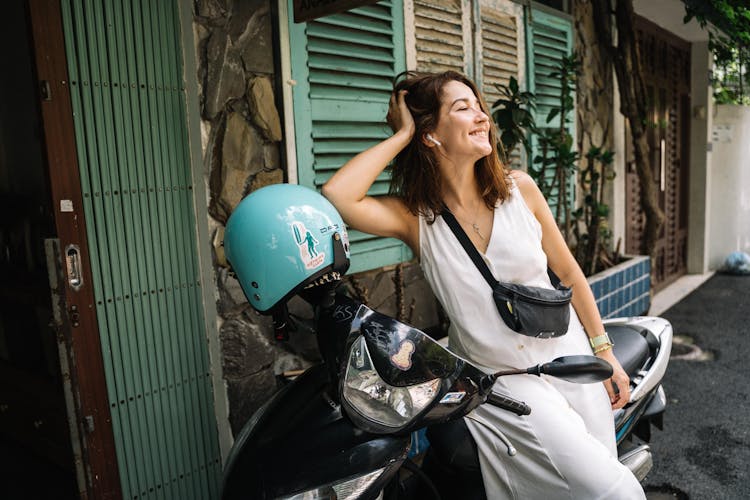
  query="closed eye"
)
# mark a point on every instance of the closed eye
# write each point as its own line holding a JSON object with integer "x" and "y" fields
{"x": 464, "y": 103}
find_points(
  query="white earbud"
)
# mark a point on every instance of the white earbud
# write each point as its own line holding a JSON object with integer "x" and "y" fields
{"x": 433, "y": 140}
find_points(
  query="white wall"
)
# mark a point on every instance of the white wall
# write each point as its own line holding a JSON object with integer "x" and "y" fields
{"x": 618, "y": 219}
{"x": 699, "y": 197}
{"x": 729, "y": 216}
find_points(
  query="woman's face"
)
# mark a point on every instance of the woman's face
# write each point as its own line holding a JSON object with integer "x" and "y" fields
{"x": 462, "y": 128}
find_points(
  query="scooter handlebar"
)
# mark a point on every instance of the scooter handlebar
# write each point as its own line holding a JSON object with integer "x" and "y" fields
{"x": 513, "y": 405}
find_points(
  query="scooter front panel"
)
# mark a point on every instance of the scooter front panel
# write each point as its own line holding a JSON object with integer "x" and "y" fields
{"x": 300, "y": 440}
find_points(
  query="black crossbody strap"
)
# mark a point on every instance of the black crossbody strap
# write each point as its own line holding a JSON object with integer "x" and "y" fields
{"x": 474, "y": 255}
{"x": 471, "y": 250}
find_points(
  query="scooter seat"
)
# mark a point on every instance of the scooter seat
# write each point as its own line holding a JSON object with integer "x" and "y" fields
{"x": 631, "y": 348}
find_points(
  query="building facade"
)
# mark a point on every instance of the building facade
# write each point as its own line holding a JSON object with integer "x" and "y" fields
{"x": 148, "y": 125}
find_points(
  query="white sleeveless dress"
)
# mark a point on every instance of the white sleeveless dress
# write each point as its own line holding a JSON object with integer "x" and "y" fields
{"x": 566, "y": 447}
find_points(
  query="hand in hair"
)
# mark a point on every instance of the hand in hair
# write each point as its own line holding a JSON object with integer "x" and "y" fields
{"x": 399, "y": 117}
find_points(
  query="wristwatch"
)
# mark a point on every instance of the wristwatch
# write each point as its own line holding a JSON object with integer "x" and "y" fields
{"x": 599, "y": 341}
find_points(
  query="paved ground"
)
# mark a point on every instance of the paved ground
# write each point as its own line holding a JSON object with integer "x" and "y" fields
{"x": 704, "y": 450}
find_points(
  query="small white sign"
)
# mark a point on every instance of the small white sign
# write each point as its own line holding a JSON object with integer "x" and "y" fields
{"x": 66, "y": 205}
{"x": 722, "y": 133}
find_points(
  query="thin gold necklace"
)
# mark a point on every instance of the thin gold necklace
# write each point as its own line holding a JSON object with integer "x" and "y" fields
{"x": 475, "y": 226}
{"x": 476, "y": 230}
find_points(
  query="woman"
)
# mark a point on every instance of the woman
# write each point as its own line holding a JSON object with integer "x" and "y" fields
{"x": 444, "y": 151}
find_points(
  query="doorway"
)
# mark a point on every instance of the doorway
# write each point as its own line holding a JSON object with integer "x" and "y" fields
{"x": 665, "y": 62}
{"x": 35, "y": 436}
{"x": 95, "y": 167}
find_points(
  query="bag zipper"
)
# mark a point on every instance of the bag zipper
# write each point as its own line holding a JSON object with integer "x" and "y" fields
{"x": 536, "y": 300}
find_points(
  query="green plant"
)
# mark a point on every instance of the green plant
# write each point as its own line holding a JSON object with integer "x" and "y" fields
{"x": 513, "y": 114}
{"x": 591, "y": 231}
{"x": 729, "y": 77}
{"x": 728, "y": 25}
{"x": 557, "y": 164}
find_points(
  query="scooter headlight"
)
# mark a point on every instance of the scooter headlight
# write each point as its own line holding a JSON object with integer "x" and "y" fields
{"x": 376, "y": 400}
{"x": 348, "y": 489}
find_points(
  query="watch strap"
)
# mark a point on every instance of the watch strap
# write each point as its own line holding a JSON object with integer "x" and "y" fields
{"x": 600, "y": 340}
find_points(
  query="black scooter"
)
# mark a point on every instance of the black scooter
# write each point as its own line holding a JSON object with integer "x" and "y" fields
{"x": 343, "y": 429}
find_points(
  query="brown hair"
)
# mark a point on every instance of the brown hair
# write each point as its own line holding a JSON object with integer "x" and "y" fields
{"x": 415, "y": 175}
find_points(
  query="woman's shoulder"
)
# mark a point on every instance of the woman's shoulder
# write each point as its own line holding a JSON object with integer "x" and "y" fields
{"x": 521, "y": 178}
{"x": 527, "y": 187}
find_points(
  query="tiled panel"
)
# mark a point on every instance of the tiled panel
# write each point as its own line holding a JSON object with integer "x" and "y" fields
{"x": 623, "y": 290}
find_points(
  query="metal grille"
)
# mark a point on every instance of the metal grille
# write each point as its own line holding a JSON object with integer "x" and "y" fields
{"x": 344, "y": 66}
{"x": 126, "y": 83}
{"x": 439, "y": 36}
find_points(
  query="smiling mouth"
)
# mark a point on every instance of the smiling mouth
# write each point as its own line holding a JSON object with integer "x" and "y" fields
{"x": 479, "y": 133}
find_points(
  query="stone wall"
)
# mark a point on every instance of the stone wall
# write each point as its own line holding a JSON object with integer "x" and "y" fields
{"x": 241, "y": 130}
{"x": 242, "y": 134}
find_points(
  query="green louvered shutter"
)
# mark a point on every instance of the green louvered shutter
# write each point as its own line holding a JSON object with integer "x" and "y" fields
{"x": 343, "y": 66}
{"x": 128, "y": 98}
{"x": 549, "y": 38}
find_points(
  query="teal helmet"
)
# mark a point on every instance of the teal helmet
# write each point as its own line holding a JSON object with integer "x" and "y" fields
{"x": 283, "y": 238}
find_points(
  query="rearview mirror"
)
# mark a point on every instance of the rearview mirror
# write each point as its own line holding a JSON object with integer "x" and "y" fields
{"x": 581, "y": 369}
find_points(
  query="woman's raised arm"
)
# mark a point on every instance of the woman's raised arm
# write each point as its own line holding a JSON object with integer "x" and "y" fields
{"x": 347, "y": 189}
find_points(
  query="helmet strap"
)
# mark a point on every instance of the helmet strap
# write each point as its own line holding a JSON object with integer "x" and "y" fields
{"x": 340, "y": 260}
{"x": 281, "y": 322}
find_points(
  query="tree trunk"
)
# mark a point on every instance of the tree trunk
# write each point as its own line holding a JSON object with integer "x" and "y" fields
{"x": 633, "y": 103}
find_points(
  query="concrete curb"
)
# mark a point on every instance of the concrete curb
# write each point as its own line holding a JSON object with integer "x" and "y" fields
{"x": 677, "y": 291}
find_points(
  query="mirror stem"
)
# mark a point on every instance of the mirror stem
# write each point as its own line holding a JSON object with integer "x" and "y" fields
{"x": 534, "y": 370}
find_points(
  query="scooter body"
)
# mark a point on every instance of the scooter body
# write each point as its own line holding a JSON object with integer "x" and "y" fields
{"x": 312, "y": 441}
{"x": 643, "y": 346}
{"x": 300, "y": 442}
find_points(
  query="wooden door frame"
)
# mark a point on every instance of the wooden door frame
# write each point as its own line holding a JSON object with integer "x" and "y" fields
{"x": 80, "y": 323}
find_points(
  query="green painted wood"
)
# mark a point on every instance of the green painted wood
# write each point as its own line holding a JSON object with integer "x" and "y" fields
{"x": 548, "y": 39}
{"x": 343, "y": 66}
{"x": 126, "y": 82}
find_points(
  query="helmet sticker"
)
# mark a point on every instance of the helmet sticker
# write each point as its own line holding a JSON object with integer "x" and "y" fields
{"x": 307, "y": 246}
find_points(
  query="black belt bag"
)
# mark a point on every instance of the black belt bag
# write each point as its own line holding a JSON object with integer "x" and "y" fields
{"x": 528, "y": 310}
